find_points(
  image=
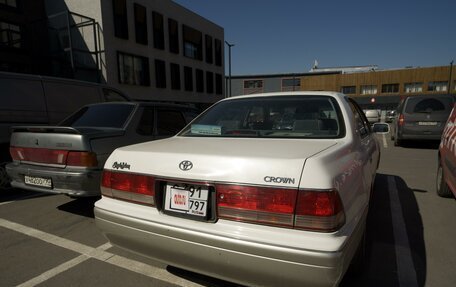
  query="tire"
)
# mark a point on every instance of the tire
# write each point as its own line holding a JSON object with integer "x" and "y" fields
{"x": 4, "y": 178}
{"x": 397, "y": 142}
{"x": 441, "y": 186}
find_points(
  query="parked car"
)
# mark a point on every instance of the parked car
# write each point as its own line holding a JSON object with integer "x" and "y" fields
{"x": 390, "y": 116}
{"x": 40, "y": 100}
{"x": 373, "y": 116}
{"x": 446, "y": 178}
{"x": 69, "y": 158}
{"x": 241, "y": 196}
{"x": 421, "y": 118}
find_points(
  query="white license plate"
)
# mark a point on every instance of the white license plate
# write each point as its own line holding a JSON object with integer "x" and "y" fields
{"x": 38, "y": 181}
{"x": 187, "y": 198}
{"x": 427, "y": 123}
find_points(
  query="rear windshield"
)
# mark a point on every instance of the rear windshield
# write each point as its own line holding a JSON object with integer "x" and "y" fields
{"x": 271, "y": 117}
{"x": 429, "y": 105}
{"x": 105, "y": 115}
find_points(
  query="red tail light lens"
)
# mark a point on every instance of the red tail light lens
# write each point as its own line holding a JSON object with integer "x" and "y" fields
{"x": 39, "y": 155}
{"x": 258, "y": 204}
{"x": 54, "y": 156}
{"x": 319, "y": 210}
{"x": 128, "y": 186}
{"x": 303, "y": 209}
{"x": 82, "y": 158}
{"x": 401, "y": 120}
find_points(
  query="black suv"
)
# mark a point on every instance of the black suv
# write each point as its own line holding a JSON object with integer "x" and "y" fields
{"x": 421, "y": 118}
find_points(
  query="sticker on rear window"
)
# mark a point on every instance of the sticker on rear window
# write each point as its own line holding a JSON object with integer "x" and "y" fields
{"x": 206, "y": 130}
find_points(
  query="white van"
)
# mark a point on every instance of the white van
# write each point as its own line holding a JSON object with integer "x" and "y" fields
{"x": 39, "y": 100}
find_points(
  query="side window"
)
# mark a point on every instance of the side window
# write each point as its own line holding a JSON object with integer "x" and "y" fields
{"x": 169, "y": 122}
{"x": 146, "y": 124}
{"x": 361, "y": 123}
{"x": 113, "y": 96}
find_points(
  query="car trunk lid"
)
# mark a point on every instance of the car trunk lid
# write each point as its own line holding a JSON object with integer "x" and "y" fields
{"x": 230, "y": 160}
{"x": 51, "y": 145}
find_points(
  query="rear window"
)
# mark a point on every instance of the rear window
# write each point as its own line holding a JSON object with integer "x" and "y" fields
{"x": 107, "y": 116}
{"x": 271, "y": 117}
{"x": 429, "y": 105}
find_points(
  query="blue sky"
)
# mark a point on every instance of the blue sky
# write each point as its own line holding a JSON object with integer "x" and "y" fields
{"x": 286, "y": 36}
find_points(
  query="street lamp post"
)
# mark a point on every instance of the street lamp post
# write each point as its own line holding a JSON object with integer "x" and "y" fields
{"x": 229, "y": 65}
{"x": 449, "y": 80}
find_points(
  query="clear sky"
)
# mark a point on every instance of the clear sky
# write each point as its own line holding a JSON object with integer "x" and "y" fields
{"x": 287, "y": 36}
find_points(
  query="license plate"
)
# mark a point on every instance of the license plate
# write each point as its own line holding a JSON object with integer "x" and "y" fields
{"x": 38, "y": 181}
{"x": 427, "y": 123}
{"x": 187, "y": 199}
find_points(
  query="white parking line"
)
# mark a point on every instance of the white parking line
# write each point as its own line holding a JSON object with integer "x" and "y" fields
{"x": 405, "y": 268}
{"x": 88, "y": 252}
{"x": 385, "y": 142}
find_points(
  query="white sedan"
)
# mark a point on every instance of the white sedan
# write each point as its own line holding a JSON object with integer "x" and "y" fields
{"x": 261, "y": 190}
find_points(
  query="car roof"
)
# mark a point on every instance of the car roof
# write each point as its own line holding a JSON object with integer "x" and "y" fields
{"x": 145, "y": 103}
{"x": 298, "y": 93}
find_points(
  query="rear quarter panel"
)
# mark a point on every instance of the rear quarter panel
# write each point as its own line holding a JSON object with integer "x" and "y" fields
{"x": 447, "y": 151}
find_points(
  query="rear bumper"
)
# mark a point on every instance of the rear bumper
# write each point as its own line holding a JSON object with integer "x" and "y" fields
{"x": 418, "y": 133}
{"x": 218, "y": 250}
{"x": 73, "y": 182}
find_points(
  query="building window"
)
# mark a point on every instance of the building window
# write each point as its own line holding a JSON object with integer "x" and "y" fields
{"x": 218, "y": 84}
{"x": 10, "y": 35}
{"x": 253, "y": 86}
{"x": 368, "y": 90}
{"x": 133, "y": 70}
{"x": 413, "y": 87}
{"x": 348, "y": 90}
{"x": 218, "y": 52}
{"x": 209, "y": 53}
{"x": 120, "y": 18}
{"x": 160, "y": 74}
{"x": 199, "y": 80}
{"x": 210, "y": 82}
{"x": 175, "y": 76}
{"x": 140, "y": 24}
{"x": 193, "y": 43}
{"x": 188, "y": 79}
{"x": 291, "y": 84}
{"x": 158, "y": 29}
{"x": 390, "y": 88}
{"x": 438, "y": 86}
{"x": 173, "y": 31}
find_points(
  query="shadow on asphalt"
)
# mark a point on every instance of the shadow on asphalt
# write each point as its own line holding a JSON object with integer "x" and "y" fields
{"x": 15, "y": 194}
{"x": 80, "y": 206}
{"x": 381, "y": 269}
{"x": 428, "y": 144}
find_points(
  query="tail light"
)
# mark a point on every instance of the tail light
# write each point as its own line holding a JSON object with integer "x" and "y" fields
{"x": 54, "y": 156}
{"x": 401, "y": 120}
{"x": 318, "y": 210}
{"x": 128, "y": 186}
{"x": 82, "y": 158}
{"x": 256, "y": 204}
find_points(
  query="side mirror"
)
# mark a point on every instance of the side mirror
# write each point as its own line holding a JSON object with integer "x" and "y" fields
{"x": 381, "y": 128}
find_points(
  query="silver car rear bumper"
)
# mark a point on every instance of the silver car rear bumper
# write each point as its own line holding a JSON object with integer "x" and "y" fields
{"x": 73, "y": 182}
{"x": 250, "y": 263}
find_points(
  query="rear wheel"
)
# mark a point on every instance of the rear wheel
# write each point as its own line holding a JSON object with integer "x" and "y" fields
{"x": 397, "y": 140}
{"x": 442, "y": 187}
{"x": 4, "y": 178}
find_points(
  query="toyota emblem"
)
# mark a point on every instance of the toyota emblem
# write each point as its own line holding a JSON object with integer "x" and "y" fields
{"x": 186, "y": 165}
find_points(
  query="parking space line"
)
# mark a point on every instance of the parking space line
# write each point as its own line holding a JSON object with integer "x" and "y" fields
{"x": 88, "y": 252}
{"x": 405, "y": 268}
{"x": 385, "y": 142}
